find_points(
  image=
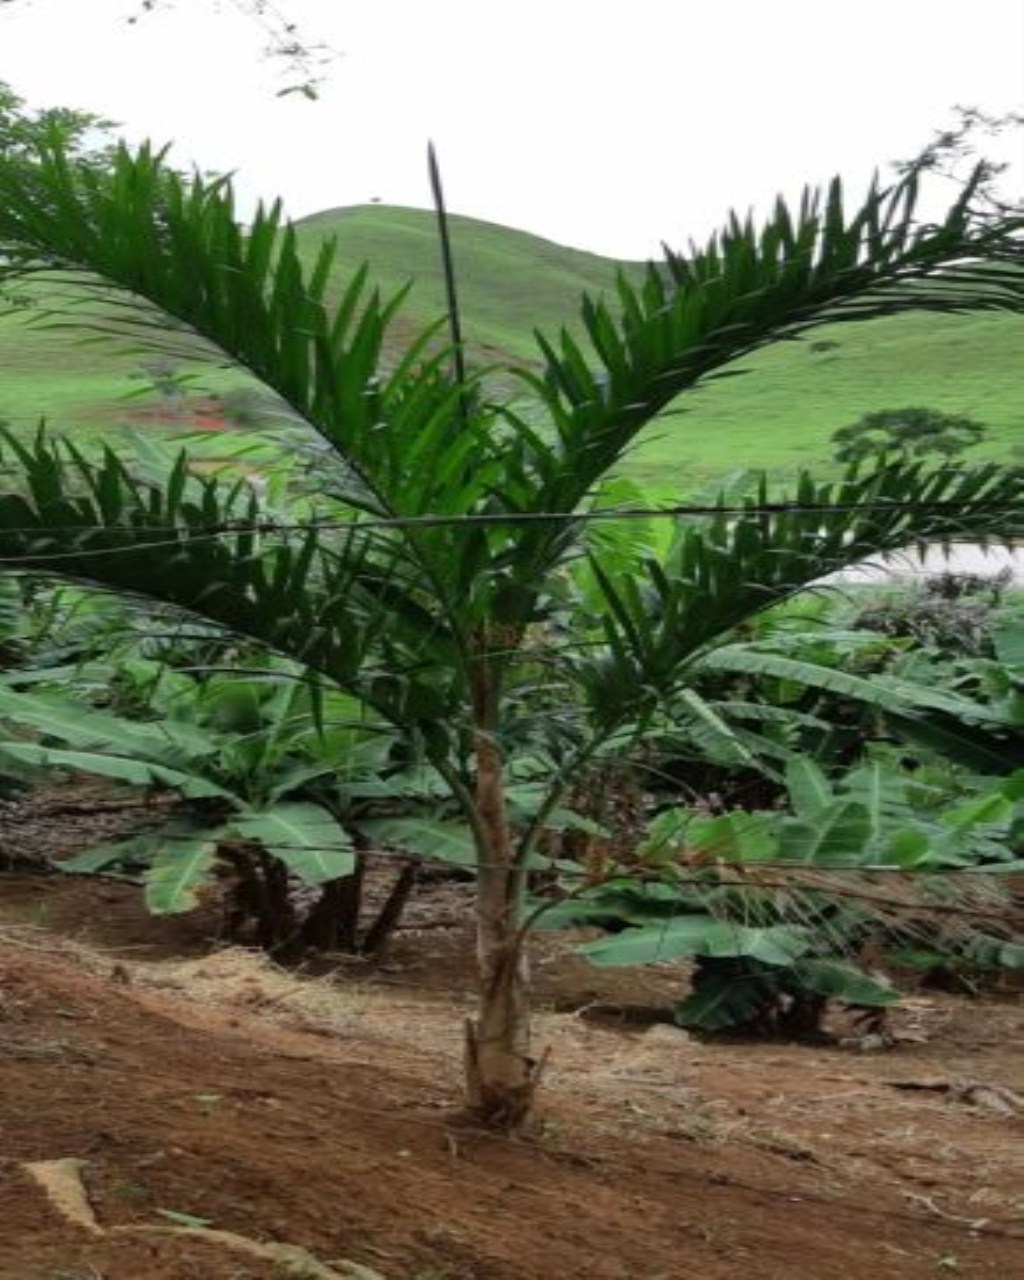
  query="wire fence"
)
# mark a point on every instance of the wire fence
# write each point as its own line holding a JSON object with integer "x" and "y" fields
{"x": 697, "y": 865}
{"x": 483, "y": 519}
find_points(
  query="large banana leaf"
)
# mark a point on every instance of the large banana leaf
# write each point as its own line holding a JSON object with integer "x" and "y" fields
{"x": 809, "y": 789}
{"x": 178, "y": 866}
{"x": 712, "y": 731}
{"x": 429, "y": 838}
{"x": 985, "y": 748}
{"x": 723, "y": 1000}
{"x": 178, "y": 873}
{"x": 308, "y": 840}
{"x": 699, "y": 935}
{"x": 112, "y": 853}
{"x": 174, "y": 744}
{"x": 732, "y": 999}
{"x": 838, "y": 980}
{"x": 735, "y": 836}
{"x": 139, "y": 773}
{"x": 837, "y": 835}
{"x": 887, "y": 693}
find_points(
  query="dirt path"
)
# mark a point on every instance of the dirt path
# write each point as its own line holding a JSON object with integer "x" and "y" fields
{"x": 320, "y": 1112}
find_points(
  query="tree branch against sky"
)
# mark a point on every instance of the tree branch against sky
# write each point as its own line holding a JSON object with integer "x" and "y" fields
{"x": 302, "y": 60}
{"x": 954, "y": 151}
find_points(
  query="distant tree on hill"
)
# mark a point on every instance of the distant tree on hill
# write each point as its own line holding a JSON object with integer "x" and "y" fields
{"x": 907, "y": 433}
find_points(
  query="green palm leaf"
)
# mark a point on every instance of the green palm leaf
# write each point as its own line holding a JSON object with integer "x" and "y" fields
{"x": 693, "y": 314}
{"x": 723, "y": 570}
{"x": 167, "y": 259}
{"x": 315, "y": 596}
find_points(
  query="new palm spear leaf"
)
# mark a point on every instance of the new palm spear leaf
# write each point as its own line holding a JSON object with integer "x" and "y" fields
{"x": 432, "y": 623}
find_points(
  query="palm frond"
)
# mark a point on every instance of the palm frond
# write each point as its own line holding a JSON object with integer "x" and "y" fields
{"x": 723, "y": 571}
{"x": 318, "y": 596}
{"x": 152, "y": 254}
{"x": 695, "y": 313}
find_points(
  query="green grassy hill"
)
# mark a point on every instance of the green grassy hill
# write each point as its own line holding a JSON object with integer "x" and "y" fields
{"x": 782, "y": 411}
{"x": 510, "y": 282}
{"x": 778, "y": 415}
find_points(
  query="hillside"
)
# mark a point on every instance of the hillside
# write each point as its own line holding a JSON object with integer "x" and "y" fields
{"x": 779, "y": 415}
{"x": 510, "y": 282}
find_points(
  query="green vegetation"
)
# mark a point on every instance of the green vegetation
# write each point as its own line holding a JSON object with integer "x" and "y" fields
{"x": 510, "y": 656}
{"x": 908, "y": 433}
{"x": 780, "y": 415}
{"x": 753, "y": 894}
{"x": 510, "y": 282}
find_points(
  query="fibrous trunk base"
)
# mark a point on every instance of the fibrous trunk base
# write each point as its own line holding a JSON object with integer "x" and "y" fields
{"x": 500, "y": 1086}
{"x": 501, "y": 1075}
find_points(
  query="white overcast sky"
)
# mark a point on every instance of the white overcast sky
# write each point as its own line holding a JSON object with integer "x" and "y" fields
{"x": 610, "y": 126}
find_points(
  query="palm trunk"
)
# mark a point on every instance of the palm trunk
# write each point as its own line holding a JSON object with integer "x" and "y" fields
{"x": 501, "y": 1075}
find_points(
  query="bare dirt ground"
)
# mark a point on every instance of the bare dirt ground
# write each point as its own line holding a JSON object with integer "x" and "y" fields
{"x": 207, "y": 1091}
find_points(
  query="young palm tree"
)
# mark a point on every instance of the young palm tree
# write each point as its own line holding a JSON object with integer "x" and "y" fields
{"x": 433, "y": 584}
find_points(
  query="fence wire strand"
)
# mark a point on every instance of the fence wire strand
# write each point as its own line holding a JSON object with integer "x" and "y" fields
{"x": 227, "y": 528}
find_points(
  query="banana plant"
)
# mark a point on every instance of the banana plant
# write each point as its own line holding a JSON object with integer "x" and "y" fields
{"x": 776, "y": 908}
{"x": 239, "y": 753}
{"x": 447, "y": 518}
{"x": 279, "y": 783}
{"x": 764, "y": 962}
{"x": 968, "y": 709}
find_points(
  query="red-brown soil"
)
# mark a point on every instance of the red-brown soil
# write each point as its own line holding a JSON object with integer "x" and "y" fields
{"x": 204, "y": 415}
{"x": 320, "y": 1110}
